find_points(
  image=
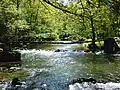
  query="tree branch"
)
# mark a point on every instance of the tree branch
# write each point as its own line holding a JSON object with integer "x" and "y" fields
{"x": 64, "y": 10}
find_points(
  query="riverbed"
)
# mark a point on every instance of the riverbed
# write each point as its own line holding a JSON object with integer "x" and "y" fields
{"x": 42, "y": 65}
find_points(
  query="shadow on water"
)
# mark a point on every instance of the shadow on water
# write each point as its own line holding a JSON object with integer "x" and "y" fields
{"x": 105, "y": 68}
{"x": 10, "y": 70}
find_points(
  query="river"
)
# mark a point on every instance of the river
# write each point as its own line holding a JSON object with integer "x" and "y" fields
{"x": 42, "y": 65}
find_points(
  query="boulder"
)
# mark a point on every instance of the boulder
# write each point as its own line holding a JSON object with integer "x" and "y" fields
{"x": 10, "y": 56}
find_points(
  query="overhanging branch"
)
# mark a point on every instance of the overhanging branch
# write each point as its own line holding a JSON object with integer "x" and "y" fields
{"x": 64, "y": 10}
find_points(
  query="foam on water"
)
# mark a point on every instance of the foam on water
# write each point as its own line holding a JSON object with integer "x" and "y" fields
{"x": 33, "y": 71}
{"x": 8, "y": 86}
{"x": 54, "y": 57}
{"x": 34, "y": 51}
{"x": 97, "y": 86}
{"x": 52, "y": 52}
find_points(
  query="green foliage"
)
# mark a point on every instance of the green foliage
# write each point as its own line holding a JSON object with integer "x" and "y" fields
{"x": 37, "y": 18}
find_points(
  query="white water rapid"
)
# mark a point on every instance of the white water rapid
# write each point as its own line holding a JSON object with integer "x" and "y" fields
{"x": 97, "y": 86}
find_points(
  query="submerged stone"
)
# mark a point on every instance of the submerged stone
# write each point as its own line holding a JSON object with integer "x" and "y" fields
{"x": 110, "y": 46}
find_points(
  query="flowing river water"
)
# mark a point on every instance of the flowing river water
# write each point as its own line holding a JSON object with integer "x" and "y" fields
{"x": 56, "y": 70}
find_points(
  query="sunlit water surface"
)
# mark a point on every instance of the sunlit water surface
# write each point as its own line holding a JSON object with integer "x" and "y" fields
{"x": 57, "y": 69}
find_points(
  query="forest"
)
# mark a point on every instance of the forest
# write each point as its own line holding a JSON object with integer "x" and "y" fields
{"x": 27, "y": 63}
{"x": 51, "y": 20}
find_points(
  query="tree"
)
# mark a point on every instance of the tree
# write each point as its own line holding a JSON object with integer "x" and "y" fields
{"x": 59, "y": 20}
{"x": 94, "y": 14}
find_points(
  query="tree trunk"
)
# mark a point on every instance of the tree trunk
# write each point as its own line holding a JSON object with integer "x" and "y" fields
{"x": 17, "y": 4}
{"x": 93, "y": 34}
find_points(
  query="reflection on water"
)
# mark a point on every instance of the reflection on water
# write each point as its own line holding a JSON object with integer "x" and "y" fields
{"x": 58, "y": 69}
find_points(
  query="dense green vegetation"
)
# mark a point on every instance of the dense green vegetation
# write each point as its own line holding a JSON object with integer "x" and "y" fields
{"x": 56, "y": 20}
